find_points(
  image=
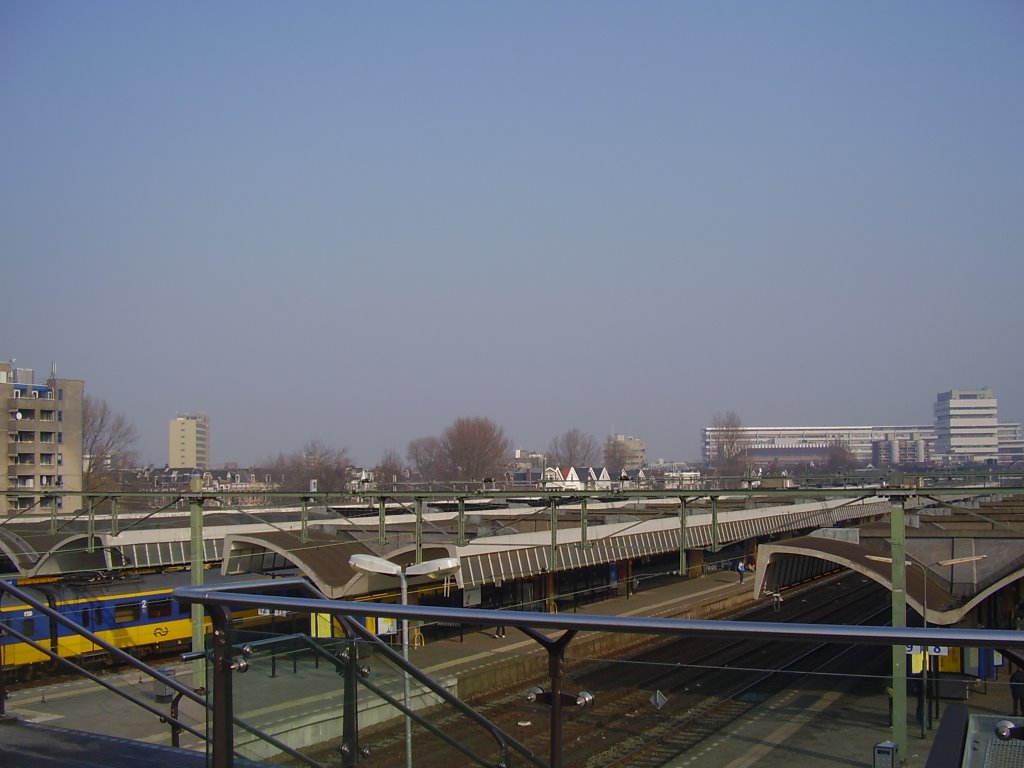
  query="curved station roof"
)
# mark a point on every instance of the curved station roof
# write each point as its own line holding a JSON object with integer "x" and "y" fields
{"x": 943, "y": 589}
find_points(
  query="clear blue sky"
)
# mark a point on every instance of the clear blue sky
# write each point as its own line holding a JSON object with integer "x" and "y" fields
{"x": 356, "y": 222}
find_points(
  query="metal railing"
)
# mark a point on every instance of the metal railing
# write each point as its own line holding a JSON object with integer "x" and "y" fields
{"x": 219, "y": 602}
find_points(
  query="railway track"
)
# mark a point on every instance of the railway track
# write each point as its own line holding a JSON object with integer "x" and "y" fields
{"x": 660, "y": 745}
{"x": 704, "y": 685}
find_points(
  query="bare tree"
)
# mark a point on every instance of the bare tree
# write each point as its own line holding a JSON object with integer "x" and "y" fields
{"x": 108, "y": 444}
{"x": 839, "y": 456}
{"x": 615, "y": 457}
{"x": 316, "y": 461}
{"x": 573, "y": 449}
{"x": 389, "y": 470}
{"x": 475, "y": 448}
{"x": 729, "y": 442}
{"x": 426, "y": 458}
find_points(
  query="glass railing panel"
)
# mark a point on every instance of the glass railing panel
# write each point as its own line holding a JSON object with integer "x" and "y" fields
{"x": 444, "y": 727}
{"x": 329, "y": 698}
{"x": 289, "y": 691}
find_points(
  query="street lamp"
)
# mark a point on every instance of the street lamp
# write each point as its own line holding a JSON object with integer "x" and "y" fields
{"x": 924, "y": 617}
{"x": 443, "y": 566}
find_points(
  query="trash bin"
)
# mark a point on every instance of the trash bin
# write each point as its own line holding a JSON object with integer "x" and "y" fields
{"x": 885, "y": 755}
{"x": 161, "y": 691}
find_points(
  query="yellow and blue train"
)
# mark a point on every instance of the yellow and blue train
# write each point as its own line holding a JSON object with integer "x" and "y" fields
{"x": 135, "y": 613}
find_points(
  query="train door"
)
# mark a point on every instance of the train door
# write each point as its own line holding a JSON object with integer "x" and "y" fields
{"x": 52, "y": 627}
{"x": 35, "y": 626}
{"x": 523, "y": 599}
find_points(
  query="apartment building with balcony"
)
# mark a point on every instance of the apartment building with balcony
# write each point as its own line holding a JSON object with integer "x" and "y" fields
{"x": 44, "y": 439}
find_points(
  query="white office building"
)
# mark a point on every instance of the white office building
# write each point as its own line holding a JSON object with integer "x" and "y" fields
{"x": 966, "y": 426}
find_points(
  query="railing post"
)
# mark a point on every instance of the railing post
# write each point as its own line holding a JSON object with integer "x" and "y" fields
{"x": 350, "y": 709}
{"x": 556, "y": 669}
{"x": 3, "y": 685}
{"x": 556, "y": 666}
{"x": 175, "y": 728}
{"x": 223, "y": 705}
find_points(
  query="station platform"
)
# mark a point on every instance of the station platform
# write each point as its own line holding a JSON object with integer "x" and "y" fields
{"x": 821, "y": 722}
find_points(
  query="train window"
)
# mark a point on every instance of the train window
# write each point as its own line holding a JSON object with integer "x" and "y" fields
{"x": 97, "y": 616}
{"x": 159, "y": 609}
{"x": 28, "y": 627}
{"x": 125, "y": 613}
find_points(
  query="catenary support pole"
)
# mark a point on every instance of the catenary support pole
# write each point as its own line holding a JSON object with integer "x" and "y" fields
{"x": 197, "y": 564}
{"x": 304, "y": 530}
{"x": 682, "y": 537}
{"x": 382, "y": 521}
{"x": 461, "y": 540}
{"x": 714, "y": 523}
{"x": 90, "y": 530}
{"x": 405, "y": 673}
{"x": 897, "y": 536}
{"x": 583, "y": 523}
{"x": 419, "y": 529}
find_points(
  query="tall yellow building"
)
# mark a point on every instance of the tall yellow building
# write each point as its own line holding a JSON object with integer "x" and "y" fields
{"x": 626, "y": 453}
{"x": 188, "y": 443}
{"x": 44, "y": 440}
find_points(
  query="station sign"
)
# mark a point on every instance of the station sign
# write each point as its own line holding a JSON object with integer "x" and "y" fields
{"x": 269, "y": 612}
{"x": 933, "y": 650}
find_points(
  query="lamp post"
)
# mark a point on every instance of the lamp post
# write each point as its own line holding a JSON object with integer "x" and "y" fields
{"x": 925, "y": 703}
{"x": 433, "y": 569}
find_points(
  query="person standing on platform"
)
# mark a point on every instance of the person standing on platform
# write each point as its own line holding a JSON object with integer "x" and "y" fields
{"x": 742, "y": 568}
{"x": 499, "y": 632}
{"x": 1017, "y": 691}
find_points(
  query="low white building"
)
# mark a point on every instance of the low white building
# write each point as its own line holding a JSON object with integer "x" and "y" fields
{"x": 966, "y": 430}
